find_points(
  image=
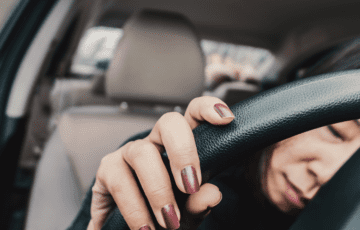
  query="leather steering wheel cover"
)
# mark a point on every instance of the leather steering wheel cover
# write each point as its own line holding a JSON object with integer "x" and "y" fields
{"x": 277, "y": 114}
{"x": 272, "y": 116}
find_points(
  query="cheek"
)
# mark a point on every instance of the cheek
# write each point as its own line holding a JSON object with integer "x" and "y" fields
{"x": 282, "y": 155}
{"x": 292, "y": 151}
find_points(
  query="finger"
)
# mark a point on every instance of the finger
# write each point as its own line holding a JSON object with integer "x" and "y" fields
{"x": 208, "y": 197}
{"x": 174, "y": 133}
{"x": 91, "y": 225}
{"x": 101, "y": 205}
{"x": 199, "y": 205}
{"x": 146, "y": 161}
{"x": 210, "y": 109}
{"x": 116, "y": 178}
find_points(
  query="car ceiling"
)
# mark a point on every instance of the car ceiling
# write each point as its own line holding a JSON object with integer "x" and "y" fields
{"x": 291, "y": 30}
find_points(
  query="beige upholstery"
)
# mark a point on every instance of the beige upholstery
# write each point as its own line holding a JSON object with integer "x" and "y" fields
{"x": 67, "y": 93}
{"x": 89, "y": 133}
{"x": 158, "y": 60}
{"x": 56, "y": 195}
{"x": 85, "y": 134}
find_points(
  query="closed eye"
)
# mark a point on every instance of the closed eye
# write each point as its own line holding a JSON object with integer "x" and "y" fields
{"x": 334, "y": 132}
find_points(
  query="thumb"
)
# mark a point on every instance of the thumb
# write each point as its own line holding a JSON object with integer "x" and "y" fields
{"x": 199, "y": 205}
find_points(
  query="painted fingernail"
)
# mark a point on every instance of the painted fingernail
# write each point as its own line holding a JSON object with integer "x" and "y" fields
{"x": 170, "y": 217}
{"x": 190, "y": 180}
{"x": 223, "y": 110}
{"x": 146, "y": 227}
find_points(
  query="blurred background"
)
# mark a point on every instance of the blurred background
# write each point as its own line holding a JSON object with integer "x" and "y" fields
{"x": 223, "y": 60}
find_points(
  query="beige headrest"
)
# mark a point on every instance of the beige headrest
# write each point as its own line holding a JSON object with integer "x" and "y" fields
{"x": 158, "y": 60}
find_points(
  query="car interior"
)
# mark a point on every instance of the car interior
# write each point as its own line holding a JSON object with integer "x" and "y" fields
{"x": 62, "y": 112}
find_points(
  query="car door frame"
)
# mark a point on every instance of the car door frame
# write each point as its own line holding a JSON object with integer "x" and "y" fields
{"x": 15, "y": 39}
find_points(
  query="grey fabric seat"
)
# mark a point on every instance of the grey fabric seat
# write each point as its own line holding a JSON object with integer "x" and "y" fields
{"x": 158, "y": 65}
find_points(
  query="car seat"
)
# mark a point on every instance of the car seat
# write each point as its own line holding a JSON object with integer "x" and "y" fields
{"x": 158, "y": 62}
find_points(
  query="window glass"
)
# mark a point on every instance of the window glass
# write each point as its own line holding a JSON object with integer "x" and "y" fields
{"x": 97, "y": 48}
{"x": 7, "y": 7}
{"x": 235, "y": 61}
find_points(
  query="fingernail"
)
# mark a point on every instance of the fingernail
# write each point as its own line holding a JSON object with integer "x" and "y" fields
{"x": 223, "y": 110}
{"x": 146, "y": 227}
{"x": 170, "y": 217}
{"x": 190, "y": 180}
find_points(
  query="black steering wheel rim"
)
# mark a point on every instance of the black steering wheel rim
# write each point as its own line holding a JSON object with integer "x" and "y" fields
{"x": 275, "y": 115}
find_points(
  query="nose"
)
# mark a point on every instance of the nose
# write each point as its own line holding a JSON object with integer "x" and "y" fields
{"x": 322, "y": 173}
{"x": 309, "y": 194}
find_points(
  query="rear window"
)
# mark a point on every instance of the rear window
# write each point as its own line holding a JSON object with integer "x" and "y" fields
{"x": 235, "y": 61}
{"x": 95, "y": 50}
{"x": 97, "y": 47}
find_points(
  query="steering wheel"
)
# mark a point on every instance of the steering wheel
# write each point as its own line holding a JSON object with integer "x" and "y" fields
{"x": 275, "y": 115}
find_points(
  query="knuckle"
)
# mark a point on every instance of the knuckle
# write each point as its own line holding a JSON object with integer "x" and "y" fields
{"x": 186, "y": 153}
{"x": 134, "y": 213}
{"x": 139, "y": 148}
{"x": 110, "y": 158}
{"x": 169, "y": 120}
{"x": 109, "y": 163}
{"x": 106, "y": 162}
{"x": 98, "y": 190}
{"x": 195, "y": 100}
{"x": 169, "y": 117}
{"x": 159, "y": 192}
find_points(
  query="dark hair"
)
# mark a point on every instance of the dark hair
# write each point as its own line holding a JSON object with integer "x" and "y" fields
{"x": 345, "y": 56}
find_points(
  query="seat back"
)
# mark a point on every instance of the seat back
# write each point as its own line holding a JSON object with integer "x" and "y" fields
{"x": 158, "y": 66}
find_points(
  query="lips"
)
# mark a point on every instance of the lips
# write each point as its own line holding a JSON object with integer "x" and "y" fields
{"x": 293, "y": 194}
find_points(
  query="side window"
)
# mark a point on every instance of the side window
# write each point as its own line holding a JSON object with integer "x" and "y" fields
{"x": 95, "y": 50}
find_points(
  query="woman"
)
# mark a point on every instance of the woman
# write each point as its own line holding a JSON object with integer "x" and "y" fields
{"x": 273, "y": 185}
{"x": 291, "y": 172}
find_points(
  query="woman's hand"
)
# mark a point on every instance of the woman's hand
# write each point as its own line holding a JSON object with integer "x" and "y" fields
{"x": 115, "y": 179}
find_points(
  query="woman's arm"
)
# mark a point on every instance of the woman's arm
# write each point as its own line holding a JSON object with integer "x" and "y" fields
{"x": 140, "y": 159}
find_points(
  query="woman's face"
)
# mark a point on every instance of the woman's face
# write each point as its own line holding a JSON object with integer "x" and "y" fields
{"x": 297, "y": 167}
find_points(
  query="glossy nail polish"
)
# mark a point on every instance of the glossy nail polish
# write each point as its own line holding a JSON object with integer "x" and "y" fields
{"x": 170, "y": 217}
{"x": 223, "y": 110}
{"x": 190, "y": 180}
{"x": 146, "y": 227}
